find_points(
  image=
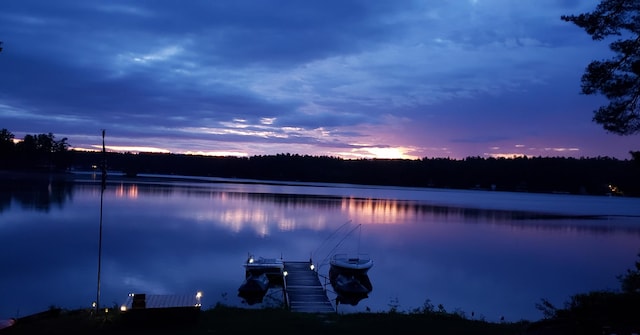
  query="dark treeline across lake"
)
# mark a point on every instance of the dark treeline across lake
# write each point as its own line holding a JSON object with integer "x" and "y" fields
{"x": 596, "y": 176}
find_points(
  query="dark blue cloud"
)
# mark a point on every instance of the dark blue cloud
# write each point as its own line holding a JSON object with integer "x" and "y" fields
{"x": 284, "y": 76}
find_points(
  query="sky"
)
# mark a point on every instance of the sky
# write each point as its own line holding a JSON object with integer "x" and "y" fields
{"x": 344, "y": 78}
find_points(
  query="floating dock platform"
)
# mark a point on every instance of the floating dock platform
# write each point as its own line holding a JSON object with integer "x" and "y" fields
{"x": 141, "y": 308}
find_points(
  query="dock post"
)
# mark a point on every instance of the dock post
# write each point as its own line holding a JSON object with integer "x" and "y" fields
{"x": 285, "y": 296}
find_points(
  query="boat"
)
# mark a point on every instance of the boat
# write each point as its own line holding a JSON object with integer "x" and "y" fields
{"x": 7, "y": 323}
{"x": 349, "y": 279}
{"x": 273, "y": 268}
{"x": 348, "y": 274}
{"x": 261, "y": 274}
{"x": 345, "y": 264}
{"x": 254, "y": 288}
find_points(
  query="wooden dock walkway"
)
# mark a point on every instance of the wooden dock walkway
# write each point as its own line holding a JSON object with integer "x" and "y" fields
{"x": 303, "y": 290}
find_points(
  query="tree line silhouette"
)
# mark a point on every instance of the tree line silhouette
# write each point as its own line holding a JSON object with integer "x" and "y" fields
{"x": 38, "y": 151}
{"x": 596, "y": 175}
{"x": 600, "y": 175}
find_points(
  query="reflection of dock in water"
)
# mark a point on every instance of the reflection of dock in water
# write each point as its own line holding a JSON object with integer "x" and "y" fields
{"x": 303, "y": 291}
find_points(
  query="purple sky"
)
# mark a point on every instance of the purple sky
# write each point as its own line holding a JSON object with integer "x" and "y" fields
{"x": 392, "y": 79}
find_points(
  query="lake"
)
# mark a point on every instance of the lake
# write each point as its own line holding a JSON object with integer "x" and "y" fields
{"x": 484, "y": 254}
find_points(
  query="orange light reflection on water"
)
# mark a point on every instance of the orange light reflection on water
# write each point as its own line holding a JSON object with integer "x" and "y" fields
{"x": 375, "y": 211}
{"x": 266, "y": 213}
{"x": 129, "y": 191}
{"x": 238, "y": 212}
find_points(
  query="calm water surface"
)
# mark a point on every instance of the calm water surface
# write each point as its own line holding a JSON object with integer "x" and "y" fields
{"x": 490, "y": 253}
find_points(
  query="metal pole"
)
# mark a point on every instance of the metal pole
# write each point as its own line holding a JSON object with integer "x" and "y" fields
{"x": 103, "y": 186}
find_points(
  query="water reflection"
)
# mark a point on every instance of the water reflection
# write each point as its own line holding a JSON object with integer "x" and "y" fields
{"x": 172, "y": 238}
{"x": 351, "y": 290}
{"x": 242, "y": 208}
{"x": 40, "y": 194}
{"x": 374, "y": 210}
{"x": 129, "y": 191}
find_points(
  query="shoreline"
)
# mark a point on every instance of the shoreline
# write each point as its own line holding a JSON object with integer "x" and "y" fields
{"x": 232, "y": 320}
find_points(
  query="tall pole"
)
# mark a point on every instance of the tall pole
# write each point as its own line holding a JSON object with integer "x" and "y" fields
{"x": 103, "y": 186}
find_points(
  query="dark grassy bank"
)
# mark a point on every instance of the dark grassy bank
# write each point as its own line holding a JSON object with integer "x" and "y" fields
{"x": 229, "y": 320}
{"x": 232, "y": 320}
{"x": 598, "y": 312}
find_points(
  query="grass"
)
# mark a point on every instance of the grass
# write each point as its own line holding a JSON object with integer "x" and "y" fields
{"x": 233, "y": 320}
{"x": 590, "y": 313}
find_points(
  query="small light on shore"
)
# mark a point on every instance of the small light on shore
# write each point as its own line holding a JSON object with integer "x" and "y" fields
{"x": 123, "y": 308}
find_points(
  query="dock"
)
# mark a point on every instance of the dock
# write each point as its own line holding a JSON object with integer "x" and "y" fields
{"x": 303, "y": 291}
{"x": 167, "y": 309}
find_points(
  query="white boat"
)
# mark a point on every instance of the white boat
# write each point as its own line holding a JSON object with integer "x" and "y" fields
{"x": 349, "y": 279}
{"x": 273, "y": 268}
{"x": 348, "y": 274}
{"x": 346, "y": 264}
{"x": 264, "y": 265}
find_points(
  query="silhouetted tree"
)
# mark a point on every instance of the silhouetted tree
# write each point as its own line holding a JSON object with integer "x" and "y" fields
{"x": 6, "y": 140}
{"x": 43, "y": 150}
{"x": 7, "y": 147}
{"x": 618, "y": 78}
{"x": 28, "y": 145}
{"x": 43, "y": 144}
{"x": 630, "y": 281}
{"x": 594, "y": 311}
